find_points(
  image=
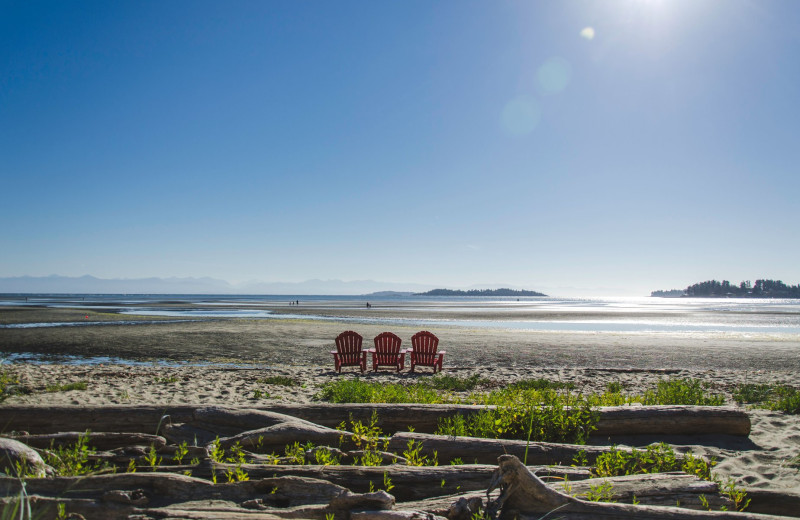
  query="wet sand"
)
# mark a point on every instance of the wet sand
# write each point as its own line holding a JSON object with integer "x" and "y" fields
{"x": 243, "y": 352}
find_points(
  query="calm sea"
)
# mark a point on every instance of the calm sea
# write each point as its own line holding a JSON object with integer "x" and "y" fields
{"x": 626, "y": 315}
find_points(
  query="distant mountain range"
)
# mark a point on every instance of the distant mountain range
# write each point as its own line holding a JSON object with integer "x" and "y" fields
{"x": 480, "y": 292}
{"x": 88, "y": 284}
{"x": 93, "y": 285}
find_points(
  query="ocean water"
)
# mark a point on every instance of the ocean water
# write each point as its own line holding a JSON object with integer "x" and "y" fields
{"x": 777, "y": 317}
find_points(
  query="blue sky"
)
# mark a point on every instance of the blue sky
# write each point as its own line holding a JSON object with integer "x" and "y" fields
{"x": 613, "y": 146}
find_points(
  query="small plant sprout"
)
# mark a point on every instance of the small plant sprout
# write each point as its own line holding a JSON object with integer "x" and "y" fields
{"x": 387, "y": 482}
{"x": 217, "y": 452}
{"x": 180, "y": 452}
{"x": 601, "y": 492}
{"x": 152, "y": 458}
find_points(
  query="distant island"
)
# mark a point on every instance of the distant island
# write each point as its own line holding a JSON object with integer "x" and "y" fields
{"x": 725, "y": 289}
{"x": 481, "y": 292}
{"x": 672, "y": 293}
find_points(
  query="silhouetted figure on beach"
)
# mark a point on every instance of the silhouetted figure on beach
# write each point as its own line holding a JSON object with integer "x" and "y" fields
{"x": 368, "y": 305}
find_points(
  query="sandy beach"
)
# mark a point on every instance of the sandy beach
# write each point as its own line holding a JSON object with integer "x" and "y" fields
{"x": 225, "y": 362}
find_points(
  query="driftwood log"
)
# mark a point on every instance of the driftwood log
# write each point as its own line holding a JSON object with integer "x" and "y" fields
{"x": 286, "y": 491}
{"x": 143, "y": 495}
{"x": 409, "y": 482}
{"x": 16, "y": 457}
{"x": 524, "y": 496}
{"x": 613, "y": 421}
{"x": 100, "y": 441}
{"x": 486, "y": 451}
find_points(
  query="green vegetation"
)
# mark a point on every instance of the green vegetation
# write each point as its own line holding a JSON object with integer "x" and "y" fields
{"x": 656, "y": 458}
{"x": 541, "y": 384}
{"x": 682, "y": 391}
{"x": 166, "y": 379}
{"x": 455, "y": 383}
{"x": 73, "y": 461}
{"x": 535, "y": 409}
{"x": 7, "y": 381}
{"x": 260, "y": 394}
{"x": 526, "y": 414}
{"x": 781, "y": 398}
{"x": 79, "y": 385}
{"x": 423, "y": 391}
{"x": 660, "y": 458}
{"x": 357, "y": 391}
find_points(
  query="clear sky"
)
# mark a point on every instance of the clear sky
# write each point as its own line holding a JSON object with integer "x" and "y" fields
{"x": 614, "y": 146}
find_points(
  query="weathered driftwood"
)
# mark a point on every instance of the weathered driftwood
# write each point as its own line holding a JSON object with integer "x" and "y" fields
{"x": 666, "y": 489}
{"x": 524, "y": 496}
{"x": 655, "y": 489}
{"x": 127, "y": 418}
{"x": 254, "y": 430}
{"x": 771, "y": 502}
{"x": 120, "y": 495}
{"x": 409, "y": 482}
{"x": 100, "y": 441}
{"x": 18, "y": 457}
{"x": 277, "y": 437}
{"x": 672, "y": 420}
{"x": 485, "y": 451}
{"x": 626, "y": 420}
{"x": 612, "y": 420}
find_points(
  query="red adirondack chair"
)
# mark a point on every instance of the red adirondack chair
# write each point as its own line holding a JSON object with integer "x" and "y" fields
{"x": 423, "y": 351}
{"x": 387, "y": 352}
{"x": 348, "y": 351}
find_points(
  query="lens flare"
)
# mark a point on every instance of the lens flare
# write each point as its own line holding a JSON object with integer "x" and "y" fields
{"x": 554, "y": 75}
{"x": 521, "y": 115}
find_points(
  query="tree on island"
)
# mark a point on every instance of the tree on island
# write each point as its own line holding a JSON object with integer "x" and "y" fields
{"x": 761, "y": 289}
{"x": 481, "y": 292}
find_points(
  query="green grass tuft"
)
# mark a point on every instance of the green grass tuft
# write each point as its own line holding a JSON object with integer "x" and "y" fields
{"x": 356, "y": 391}
{"x": 78, "y": 385}
{"x": 682, "y": 391}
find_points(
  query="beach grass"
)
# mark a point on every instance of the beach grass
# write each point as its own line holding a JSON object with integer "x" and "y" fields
{"x": 66, "y": 387}
{"x": 356, "y": 391}
{"x": 781, "y": 398}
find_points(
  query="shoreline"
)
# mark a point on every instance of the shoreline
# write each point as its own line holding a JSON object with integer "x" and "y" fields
{"x": 226, "y": 362}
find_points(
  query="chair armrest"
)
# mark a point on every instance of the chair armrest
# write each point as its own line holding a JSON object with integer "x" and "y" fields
{"x": 441, "y": 352}
{"x": 334, "y": 351}
{"x": 370, "y": 350}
